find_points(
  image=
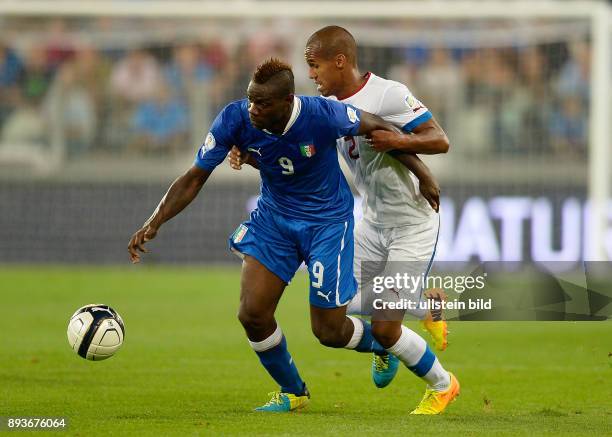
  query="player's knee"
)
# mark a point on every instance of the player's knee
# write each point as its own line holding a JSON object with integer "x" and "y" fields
{"x": 386, "y": 334}
{"x": 252, "y": 320}
{"x": 329, "y": 336}
{"x": 331, "y": 339}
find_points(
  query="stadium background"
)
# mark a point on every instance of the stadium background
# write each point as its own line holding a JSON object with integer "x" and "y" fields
{"x": 100, "y": 109}
{"x": 103, "y": 104}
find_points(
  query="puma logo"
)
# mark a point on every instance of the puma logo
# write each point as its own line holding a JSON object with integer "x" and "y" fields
{"x": 252, "y": 149}
{"x": 326, "y": 296}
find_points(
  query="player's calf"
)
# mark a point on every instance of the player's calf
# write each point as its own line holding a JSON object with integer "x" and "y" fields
{"x": 330, "y": 338}
{"x": 386, "y": 332}
{"x": 334, "y": 328}
{"x": 331, "y": 326}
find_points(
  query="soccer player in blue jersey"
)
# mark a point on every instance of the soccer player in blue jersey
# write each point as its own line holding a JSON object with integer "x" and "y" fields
{"x": 304, "y": 214}
{"x": 400, "y": 225}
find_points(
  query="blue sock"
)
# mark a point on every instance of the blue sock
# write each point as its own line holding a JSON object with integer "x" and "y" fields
{"x": 279, "y": 364}
{"x": 367, "y": 342}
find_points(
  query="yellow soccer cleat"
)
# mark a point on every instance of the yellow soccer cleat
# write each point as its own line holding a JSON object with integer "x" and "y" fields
{"x": 435, "y": 323}
{"x": 284, "y": 402}
{"x": 435, "y": 402}
{"x": 438, "y": 331}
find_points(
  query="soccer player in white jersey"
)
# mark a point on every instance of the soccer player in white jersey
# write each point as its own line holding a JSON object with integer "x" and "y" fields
{"x": 398, "y": 225}
{"x": 392, "y": 197}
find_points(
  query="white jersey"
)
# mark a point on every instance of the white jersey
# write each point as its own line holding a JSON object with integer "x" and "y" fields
{"x": 390, "y": 192}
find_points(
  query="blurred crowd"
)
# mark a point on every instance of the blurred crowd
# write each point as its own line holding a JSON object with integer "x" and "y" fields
{"x": 506, "y": 101}
{"x": 137, "y": 101}
{"x": 158, "y": 99}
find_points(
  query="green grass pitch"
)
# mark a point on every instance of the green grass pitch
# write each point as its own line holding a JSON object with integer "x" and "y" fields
{"x": 186, "y": 367}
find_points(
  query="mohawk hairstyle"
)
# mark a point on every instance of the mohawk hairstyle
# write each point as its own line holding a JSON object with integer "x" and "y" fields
{"x": 277, "y": 70}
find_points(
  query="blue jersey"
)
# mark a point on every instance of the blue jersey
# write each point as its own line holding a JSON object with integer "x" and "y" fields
{"x": 300, "y": 173}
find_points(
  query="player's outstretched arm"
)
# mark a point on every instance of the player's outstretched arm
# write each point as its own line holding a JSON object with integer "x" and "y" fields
{"x": 427, "y": 138}
{"x": 428, "y": 185}
{"x": 180, "y": 194}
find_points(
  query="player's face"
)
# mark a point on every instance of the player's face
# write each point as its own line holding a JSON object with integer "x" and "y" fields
{"x": 324, "y": 72}
{"x": 266, "y": 109}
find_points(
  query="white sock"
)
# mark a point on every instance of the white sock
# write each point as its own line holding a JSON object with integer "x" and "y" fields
{"x": 268, "y": 343}
{"x": 412, "y": 350}
{"x": 437, "y": 378}
{"x": 357, "y": 333}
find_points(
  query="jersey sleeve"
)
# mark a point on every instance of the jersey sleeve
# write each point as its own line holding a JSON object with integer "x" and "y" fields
{"x": 222, "y": 136}
{"x": 401, "y": 108}
{"x": 339, "y": 119}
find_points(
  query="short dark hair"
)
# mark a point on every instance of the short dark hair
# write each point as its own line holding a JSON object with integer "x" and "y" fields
{"x": 330, "y": 41}
{"x": 278, "y": 71}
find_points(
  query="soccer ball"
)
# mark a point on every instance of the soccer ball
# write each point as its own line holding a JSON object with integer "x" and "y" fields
{"x": 95, "y": 332}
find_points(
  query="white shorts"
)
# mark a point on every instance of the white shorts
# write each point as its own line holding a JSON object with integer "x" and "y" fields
{"x": 387, "y": 252}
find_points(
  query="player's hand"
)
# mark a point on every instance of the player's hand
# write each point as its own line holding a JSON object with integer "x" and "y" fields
{"x": 236, "y": 158}
{"x": 431, "y": 192}
{"x": 381, "y": 140}
{"x": 138, "y": 240}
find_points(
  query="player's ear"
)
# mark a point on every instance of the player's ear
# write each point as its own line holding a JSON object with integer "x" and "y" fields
{"x": 340, "y": 61}
{"x": 289, "y": 98}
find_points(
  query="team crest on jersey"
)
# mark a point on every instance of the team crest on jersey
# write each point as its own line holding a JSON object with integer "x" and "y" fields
{"x": 307, "y": 149}
{"x": 413, "y": 103}
{"x": 209, "y": 144}
{"x": 352, "y": 114}
{"x": 239, "y": 233}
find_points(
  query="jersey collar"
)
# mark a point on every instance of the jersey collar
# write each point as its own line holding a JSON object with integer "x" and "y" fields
{"x": 295, "y": 113}
{"x": 367, "y": 79}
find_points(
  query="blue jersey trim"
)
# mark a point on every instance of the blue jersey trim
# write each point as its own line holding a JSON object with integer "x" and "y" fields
{"x": 409, "y": 127}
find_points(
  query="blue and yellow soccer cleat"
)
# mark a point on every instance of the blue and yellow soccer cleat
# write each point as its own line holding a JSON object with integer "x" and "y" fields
{"x": 435, "y": 402}
{"x": 285, "y": 402}
{"x": 384, "y": 368}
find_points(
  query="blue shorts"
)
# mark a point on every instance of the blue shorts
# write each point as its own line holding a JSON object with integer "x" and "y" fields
{"x": 281, "y": 244}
